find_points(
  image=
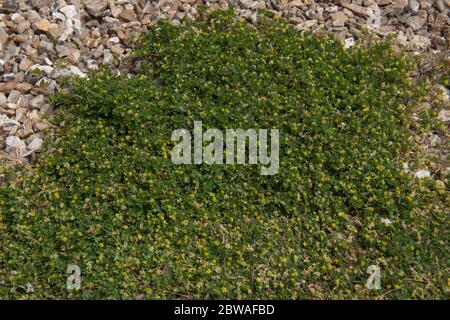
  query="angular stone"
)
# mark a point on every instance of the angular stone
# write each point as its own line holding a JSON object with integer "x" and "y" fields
{"x": 396, "y": 8}
{"x": 67, "y": 31}
{"x": 55, "y": 31}
{"x": 25, "y": 64}
{"x": 69, "y": 11}
{"x": 6, "y": 87}
{"x": 128, "y": 15}
{"x": 3, "y": 35}
{"x": 415, "y": 22}
{"x": 246, "y": 4}
{"x": 117, "y": 49}
{"x": 96, "y": 8}
{"x": 43, "y": 25}
{"x": 74, "y": 57}
{"x": 10, "y": 126}
{"x": 306, "y": 25}
{"x": 108, "y": 58}
{"x": 37, "y": 102}
{"x": 27, "y": 129}
{"x": 21, "y": 114}
{"x": 40, "y": 125}
{"x": 14, "y": 96}
{"x": 23, "y": 26}
{"x": 46, "y": 109}
{"x": 5, "y": 120}
{"x": 9, "y": 6}
{"x": 23, "y": 87}
{"x": 338, "y": 19}
{"x": 356, "y": 9}
{"x": 14, "y": 144}
{"x": 63, "y": 50}
{"x": 401, "y": 4}
{"x": 413, "y": 6}
{"x": 21, "y": 38}
{"x": 296, "y": 20}
{"x": 77, "y": 72}
{"x": 3, "y": 100}
{"x": 35, "y": 144}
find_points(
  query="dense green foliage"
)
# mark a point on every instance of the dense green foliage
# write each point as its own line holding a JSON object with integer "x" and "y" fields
{"x": 106, "y": 196}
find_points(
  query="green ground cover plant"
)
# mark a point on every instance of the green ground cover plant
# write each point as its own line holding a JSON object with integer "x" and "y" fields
{"x": 106, "y": 196}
